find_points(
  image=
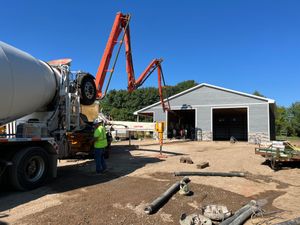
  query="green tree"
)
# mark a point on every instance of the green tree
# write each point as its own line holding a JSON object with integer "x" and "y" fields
{"x": 257, "y": 93}
{"x": 281, "y": 122}
{"x": 182, "y": 86}
{"x": 120, "y": 104}
{"x": 288, "y": 120}
{"x": 294, "y": 118}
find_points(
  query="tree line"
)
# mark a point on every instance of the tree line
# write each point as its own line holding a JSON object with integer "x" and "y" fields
{"x": 287, "y": 119}
{"x": 120, "y": 105}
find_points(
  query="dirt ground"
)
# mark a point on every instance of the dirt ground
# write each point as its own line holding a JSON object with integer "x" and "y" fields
{"x": 137, "y": 176}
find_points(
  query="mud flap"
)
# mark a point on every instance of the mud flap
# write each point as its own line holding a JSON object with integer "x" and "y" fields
{"x": 53, "y": 166}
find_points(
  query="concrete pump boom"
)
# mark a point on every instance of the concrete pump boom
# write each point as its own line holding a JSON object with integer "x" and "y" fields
{"x": 120, "y": 24}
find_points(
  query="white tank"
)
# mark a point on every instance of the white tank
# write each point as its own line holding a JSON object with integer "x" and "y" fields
{"x": 26, "y": 83}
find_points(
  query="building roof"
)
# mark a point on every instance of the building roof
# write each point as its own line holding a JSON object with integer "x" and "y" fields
{"x": 271, "y": 101}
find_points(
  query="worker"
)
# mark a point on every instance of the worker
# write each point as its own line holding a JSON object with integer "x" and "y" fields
{"x": 100, "y": 143}
{"x": 174, "y": 133}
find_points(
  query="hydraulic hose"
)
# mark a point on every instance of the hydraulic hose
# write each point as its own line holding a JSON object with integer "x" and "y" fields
{"x": 221, "y": 174}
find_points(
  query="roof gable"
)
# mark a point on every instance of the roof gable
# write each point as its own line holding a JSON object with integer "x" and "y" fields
{"x": 212, "y": 87}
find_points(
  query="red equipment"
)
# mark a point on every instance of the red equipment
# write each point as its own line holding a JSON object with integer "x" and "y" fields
{"x": 122, "y": 23}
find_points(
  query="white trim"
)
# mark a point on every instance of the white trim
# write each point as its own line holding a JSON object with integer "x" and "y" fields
{"x": 211, "y": 123}
{"x": 166, "y": 130}
{"x": 269, "y": 122}
{"x": 248, "y": 122}
{"x": 228, "y": 107}
{"x": 196, "y": 118}
{"x": 268, "y": 100}
{"x": 213, "y": 105}
{"x": 153, "y": 112}
{"x": 240, "y": 93}
{"x": 153, "y": 115}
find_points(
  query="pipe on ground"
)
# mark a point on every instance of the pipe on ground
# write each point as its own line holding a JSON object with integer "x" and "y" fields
{"x": 237, "y": 213}
{"x": 242, "y": 214}
{"x": 158, "y": 202}
{"x": 241, "y": 219}
{"x": 295, "y": 221}
{"x": 220, "y": 174}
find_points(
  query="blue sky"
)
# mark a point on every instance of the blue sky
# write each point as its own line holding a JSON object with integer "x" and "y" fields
{"x": 242, "y": 45}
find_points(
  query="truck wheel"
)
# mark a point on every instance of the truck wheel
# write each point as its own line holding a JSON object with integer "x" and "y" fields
{"x": 29, "y": 169}
{"x": 274, "y": 164}
{"x": 87, "y": 90}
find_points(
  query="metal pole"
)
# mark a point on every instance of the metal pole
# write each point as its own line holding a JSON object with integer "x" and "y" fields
{"x": 160, "y": 142}
{"x": 129, "y": 137}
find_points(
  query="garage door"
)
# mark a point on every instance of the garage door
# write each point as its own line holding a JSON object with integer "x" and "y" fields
{"x": 230, "y": 122}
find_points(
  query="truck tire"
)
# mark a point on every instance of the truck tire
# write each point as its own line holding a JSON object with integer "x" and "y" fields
{"x": 274, "y": 164}
{"x": 87, "y": 90}
{"x": 29, "y": 169}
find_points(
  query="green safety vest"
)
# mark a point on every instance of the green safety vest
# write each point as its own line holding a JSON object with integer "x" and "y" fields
{"x": 100, "y": 134}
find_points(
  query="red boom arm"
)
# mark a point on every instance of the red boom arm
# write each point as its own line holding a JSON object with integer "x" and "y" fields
{"x": 121, "y": 23}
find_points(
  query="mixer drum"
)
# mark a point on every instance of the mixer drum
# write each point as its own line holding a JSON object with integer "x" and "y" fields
{"x": 26, "y": 83}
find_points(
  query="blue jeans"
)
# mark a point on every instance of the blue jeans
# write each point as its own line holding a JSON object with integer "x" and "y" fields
{"x": 99, "y": 159}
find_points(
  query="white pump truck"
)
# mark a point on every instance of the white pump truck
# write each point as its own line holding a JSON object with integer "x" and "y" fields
{"x": 44, "y": 100}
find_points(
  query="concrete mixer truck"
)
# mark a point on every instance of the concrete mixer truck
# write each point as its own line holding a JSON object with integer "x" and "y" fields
{"x": 42, "y": 100}
{"x": 41, "y": 105}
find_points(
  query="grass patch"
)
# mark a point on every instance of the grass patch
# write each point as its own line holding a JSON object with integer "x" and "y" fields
{"x": 284, "y": 138}
{"x": 294, "y": 140}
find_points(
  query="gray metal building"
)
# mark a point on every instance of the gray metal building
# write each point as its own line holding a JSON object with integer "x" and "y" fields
{"x": 207, "y": 112}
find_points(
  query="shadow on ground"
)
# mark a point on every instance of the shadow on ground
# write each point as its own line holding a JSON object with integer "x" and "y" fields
{"x": 283, "y": 165}
{"x": 3, "y": 216}
{"x": 82, "y": 174}
{"x": 169, "y": 142}
{"x": 163, "y": 152}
